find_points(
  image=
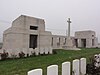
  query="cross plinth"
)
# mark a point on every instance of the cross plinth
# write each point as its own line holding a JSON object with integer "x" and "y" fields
{"x": 69, "y": 27}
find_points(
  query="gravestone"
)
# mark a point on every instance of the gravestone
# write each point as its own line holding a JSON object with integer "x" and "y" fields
{"x": 50, "y": 50}
{"x": 52, "y": 70}
{"x": 24, "y": 50}
{"x": 31, "y": 51}
{"x": 36, "y": 51}
{"x": 76, "y": 67}
{"x": 35, "y": 72}
{"x": 83, "y": 66}
{"x": 10, "y": 52}
{"x": 42, "y": 50}
{"x": 46, "y": 50}
{"x": 66, "y": 68}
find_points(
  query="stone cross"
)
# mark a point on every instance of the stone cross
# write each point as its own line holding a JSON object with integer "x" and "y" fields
{"x": 69, "y": 27}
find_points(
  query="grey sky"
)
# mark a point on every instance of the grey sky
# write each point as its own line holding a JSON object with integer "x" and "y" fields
{"x": 83, "y": 13}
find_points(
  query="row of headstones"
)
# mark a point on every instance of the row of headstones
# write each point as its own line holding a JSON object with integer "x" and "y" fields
{"x": 15, "y": 53}
{"x": 79, "y": 68}
{"x": 41, "y": 50}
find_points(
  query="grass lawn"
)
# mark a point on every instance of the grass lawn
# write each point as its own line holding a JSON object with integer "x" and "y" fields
{"x": 22, "y": 66}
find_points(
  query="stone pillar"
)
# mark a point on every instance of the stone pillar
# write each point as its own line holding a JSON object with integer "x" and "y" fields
{"x": 69, "y": 27}
{"x": 88, "y": 43}
{"x": 79, "y": 43}
{"x": 96, "y": 42}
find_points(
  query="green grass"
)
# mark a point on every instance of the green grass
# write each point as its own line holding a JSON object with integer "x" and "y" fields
{"x": 22, "y": 66}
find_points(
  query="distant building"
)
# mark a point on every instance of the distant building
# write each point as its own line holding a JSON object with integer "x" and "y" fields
{"x": 86, "y": 39}
{"x": 28, "y": 35}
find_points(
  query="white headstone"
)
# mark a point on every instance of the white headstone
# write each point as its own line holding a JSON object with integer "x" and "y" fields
{"x": 35, "y": 72}
{"x": 50, "y": 50}
{"x": 17, "y": 52}
{"x": 41, "y": 50}
{"x": 66, "y": 68}
{"x": 25, "y": 51}
{"x": 10, "y": 53}
{"x": 83, "y": 66}
{"x": 31, "y": 51}
{"x": 52, "y": 70}
{"x": 46, "y": 50}
{"x": 36, "y": 51}
{"x": 76, "y": 67}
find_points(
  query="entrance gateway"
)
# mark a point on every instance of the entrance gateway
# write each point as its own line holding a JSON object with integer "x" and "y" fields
{"x": 83, "y": 43}
{"x": 33, "y": 41}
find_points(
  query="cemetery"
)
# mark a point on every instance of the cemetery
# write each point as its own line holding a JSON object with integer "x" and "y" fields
{"x": 28, "y": 49}
{"x": 50, "y": 37}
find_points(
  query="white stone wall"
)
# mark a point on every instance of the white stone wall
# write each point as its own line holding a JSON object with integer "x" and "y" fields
{"x": 62, "y": 42}
{"x": 88, "y": 35}
{"x": 58, "y": 44}
{"x": 16, "y": 38}
{"x": 44, "y": 42}
{"x": 84, "y": 34}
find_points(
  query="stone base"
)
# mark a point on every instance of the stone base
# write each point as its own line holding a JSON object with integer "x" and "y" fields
{"x": 70, "y": 45}
{"x": 69, "y": 42}
{"x": 70, "y": 48}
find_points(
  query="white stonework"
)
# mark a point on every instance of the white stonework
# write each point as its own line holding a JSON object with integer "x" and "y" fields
{"x": 86, "y": 39}
{"x": 76, "y": 67}
{"x": 35, "y": 72}
{"x": 83, "y": 66}
{"x": 42, "y": 50}
{"x": 52, "y": 70}
{"x": 50, "y": 50}
{"x": 66, "y": 68}
{"x": 28, "y": 35}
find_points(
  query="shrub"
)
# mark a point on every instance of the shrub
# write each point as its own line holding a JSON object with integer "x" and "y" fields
{"x": 93, "y": 68}
{"x": 21, "y": 54}
{"x": 4, "y": 55}
{"x": 54, "y": 52}
{"x": 27, "y": 55}
{"x": 42, "y": 54}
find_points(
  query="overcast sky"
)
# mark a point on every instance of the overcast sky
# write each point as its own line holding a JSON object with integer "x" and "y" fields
{"x": 84, "y": 14}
